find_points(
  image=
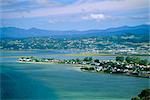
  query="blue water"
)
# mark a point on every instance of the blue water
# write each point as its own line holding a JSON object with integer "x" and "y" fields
{"x": 13, "y": 56}
{"x": 37, "y": 52}
{"x": 64, "y": 82}
{"x": 17, "y": 85}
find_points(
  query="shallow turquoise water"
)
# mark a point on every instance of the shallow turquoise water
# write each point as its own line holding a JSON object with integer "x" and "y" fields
{"x": 64, "y": 82}
{"x": 17, "y": 85}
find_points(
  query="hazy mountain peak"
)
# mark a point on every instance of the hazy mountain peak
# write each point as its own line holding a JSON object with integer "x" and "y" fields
{"x": 13, "y": 32}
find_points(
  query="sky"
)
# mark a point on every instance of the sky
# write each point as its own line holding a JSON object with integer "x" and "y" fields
{"x": 73, "y": 14}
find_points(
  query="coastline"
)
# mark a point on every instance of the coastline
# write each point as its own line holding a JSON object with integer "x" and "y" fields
{"x": 74, "y": 54}
{"x": 75, "y": 67}
{"x": 36, "y": 62}
{"x": 78, "y": 67}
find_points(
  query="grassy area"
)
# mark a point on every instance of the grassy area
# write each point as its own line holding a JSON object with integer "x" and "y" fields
{"x": 140, "y": 55}
{"x": 88, "y": 54}
{"x": 102, "y": 54}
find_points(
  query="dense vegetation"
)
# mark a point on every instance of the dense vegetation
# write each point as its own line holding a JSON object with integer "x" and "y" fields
{"x": 132, "y": 60}
{"x": 144, "y": 95}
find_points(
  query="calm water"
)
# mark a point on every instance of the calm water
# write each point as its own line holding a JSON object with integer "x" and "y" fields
{"x": 63, "y": 82}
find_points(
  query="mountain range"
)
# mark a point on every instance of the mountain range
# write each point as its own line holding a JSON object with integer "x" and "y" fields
{"x": 13, "y": 32}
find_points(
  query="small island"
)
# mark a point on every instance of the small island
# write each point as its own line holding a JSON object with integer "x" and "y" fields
{"x": 130, "y": 65}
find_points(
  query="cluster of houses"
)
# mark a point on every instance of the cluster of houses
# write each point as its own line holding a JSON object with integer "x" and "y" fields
{"x": 33, "y": 59}
{"x": 109, "y": 66}
{"x": 24, "y": 59}
{"x": 121, "y": 68}
{"x": 100, "y": 66}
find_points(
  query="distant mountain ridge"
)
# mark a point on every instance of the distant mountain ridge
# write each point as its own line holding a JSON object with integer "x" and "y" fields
{"x": 13, "y": 32}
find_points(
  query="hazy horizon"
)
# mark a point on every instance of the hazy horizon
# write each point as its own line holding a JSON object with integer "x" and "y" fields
{"x": 75, "y": 29}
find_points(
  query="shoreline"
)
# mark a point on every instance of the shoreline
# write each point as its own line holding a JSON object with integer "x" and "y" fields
{"x": 78, "y": 67}
{"x": 75, "y": 54}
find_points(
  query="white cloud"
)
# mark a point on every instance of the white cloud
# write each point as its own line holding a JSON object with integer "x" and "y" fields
{"x": 52, "y": 20}
{"x": 111, "y": 6}
{"x": 96, "y": 17}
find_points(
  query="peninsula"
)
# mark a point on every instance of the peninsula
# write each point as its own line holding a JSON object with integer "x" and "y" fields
{"x": 130, "y": 65}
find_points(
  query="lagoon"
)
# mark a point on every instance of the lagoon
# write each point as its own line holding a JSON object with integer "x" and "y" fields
{"x": 62, "y": 82}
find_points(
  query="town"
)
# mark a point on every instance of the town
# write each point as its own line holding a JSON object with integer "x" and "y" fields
{"x": 130, "y": 65}
{"x": 113, "y": 45}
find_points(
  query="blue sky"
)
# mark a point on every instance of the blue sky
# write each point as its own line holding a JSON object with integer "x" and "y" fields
{"x": 73, "y": 14}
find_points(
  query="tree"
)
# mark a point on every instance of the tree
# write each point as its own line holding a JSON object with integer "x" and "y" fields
{"x": 120, "y": 58}
{"x": 85, "y": 59}
{"x": 145, "y": 94}
{"x": 32, "y": 57}
{"x": 128, "y": 59}
{"x": 78, "y": 60}
{"x": 88, "y": 59}
{"x": 96, "y": 60}
{"x": 143, "y": 62}
{"x": 37, "y": 60}
{"x": 91, "y": 68}
{"x": 136, "y": 60}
